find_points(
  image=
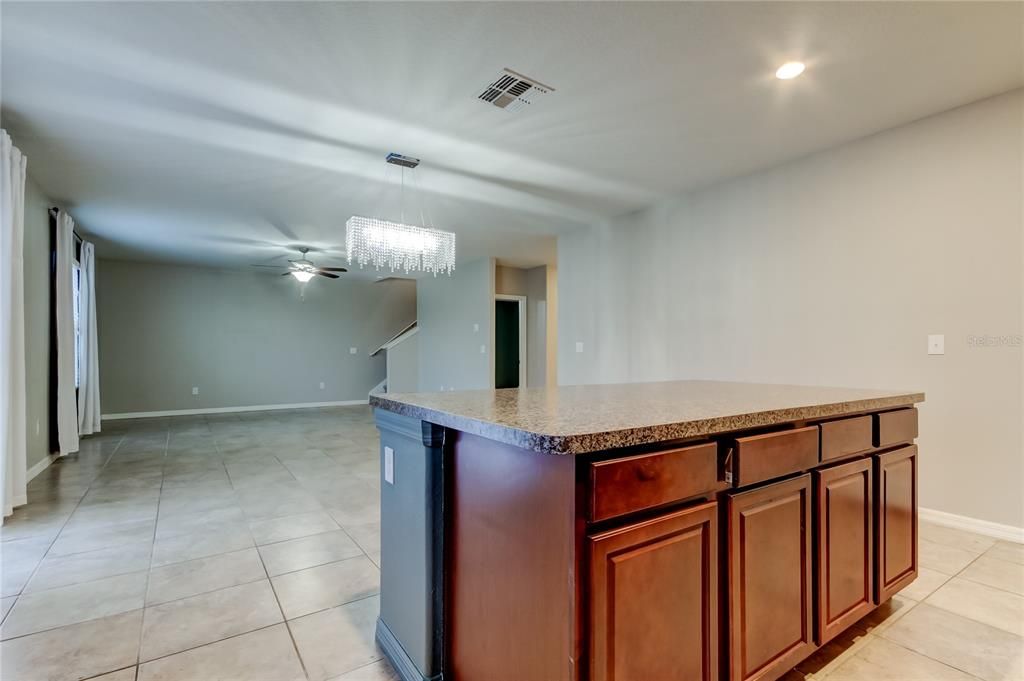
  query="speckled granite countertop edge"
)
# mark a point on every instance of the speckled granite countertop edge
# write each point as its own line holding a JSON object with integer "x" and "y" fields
{"x": 584, "y": 443}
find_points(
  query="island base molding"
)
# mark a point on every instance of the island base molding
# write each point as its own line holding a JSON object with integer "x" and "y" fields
{"x": 396, "y": 655}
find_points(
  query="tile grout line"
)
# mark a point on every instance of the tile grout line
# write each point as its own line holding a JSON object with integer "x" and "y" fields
{"x": 152, "y": 553}
{"x": 277, "y": 599}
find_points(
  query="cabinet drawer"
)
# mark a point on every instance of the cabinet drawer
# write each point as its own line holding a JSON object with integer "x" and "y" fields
{"x": 845, "y": 437}
{"x": 895, "y": 427}
{"x": 772, "y": 455}
{"x": 634, "y": 483}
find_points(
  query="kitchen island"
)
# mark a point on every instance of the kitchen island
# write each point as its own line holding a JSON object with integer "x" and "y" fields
{"x": 677, "y": 531}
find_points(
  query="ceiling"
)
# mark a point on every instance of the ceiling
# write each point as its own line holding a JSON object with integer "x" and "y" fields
{"x": 220, "y": 133}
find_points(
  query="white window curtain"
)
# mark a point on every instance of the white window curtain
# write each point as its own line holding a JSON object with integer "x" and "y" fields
{"x": 89, "y": 367}
{"x": 13, "y": 165}
{"x": 67, "y": 408}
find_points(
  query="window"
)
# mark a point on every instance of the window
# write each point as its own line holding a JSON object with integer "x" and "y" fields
{"x": 76, "y": 305}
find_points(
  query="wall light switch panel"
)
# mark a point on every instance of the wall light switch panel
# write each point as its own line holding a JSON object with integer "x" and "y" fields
{"x": 476, "y": 328}
{"x": 195, "y": 391}
{"x": 936, "y": 344}
{"x": 353, "y": 351}
{"x": 389, "y": 465}
{"x": 579, "y": 346}
{"x": 321, "y": 385}
{"x": 483, "y": 349}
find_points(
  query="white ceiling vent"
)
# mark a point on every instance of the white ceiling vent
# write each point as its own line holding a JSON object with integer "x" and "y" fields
{"x": 513, "y": 91}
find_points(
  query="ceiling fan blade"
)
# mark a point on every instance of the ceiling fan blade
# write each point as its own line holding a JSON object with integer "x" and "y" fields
{"x": 328, "y": 275}
{"x": 285, "y": 274}
{"x": 332, "y": 269}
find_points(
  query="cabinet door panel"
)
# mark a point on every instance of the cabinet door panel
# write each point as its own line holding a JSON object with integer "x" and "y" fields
{"x": 845, "y": 546}
{"x": 769, "y": 579}
{"x": 654, "y": 599}
{"x": 896, "y": 513}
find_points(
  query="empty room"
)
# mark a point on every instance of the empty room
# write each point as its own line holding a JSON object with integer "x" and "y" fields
{"x": 511, "y": 341}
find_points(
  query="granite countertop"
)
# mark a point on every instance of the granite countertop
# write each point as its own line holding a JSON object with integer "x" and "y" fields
{"x": 581, "y": 419}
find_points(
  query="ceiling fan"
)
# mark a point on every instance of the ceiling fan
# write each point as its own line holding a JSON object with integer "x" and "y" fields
{"x": 303, "y": 269}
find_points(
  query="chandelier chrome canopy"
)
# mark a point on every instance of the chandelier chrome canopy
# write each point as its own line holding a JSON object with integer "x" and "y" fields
{"x": 396, "y": 245}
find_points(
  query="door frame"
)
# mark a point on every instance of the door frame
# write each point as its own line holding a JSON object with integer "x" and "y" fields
{"x": 522, "y": 338}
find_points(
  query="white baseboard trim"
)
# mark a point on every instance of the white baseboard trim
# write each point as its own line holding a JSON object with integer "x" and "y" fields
{"x": 40, "y": 466}
{"x": 229, "y": 410}
{"x": 962, "y": 522}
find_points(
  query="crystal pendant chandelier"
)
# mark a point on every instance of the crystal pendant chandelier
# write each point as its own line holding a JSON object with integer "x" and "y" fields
{"x": 396, "y": 245}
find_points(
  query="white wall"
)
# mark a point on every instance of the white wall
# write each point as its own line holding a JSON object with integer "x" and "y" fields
{"x": 242, "y": 338}
{"x": 448, "y": 307}
{"x": 832, "y": 270}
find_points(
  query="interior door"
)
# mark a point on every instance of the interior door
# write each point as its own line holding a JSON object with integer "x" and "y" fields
{"x": 506, "y": 344}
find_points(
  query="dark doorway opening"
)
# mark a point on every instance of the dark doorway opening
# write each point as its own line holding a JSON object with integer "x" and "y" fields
{"x": 506, "y": 344}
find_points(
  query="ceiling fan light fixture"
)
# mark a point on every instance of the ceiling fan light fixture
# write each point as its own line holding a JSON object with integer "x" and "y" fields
{"x": 302, "y": 275}
{"x": 790, "y": 70}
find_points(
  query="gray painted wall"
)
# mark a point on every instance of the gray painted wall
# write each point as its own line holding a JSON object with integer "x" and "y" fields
{"x": 243, "y": 338}
{"x": 404, "y": 366}
{"x": 450, "y": 347}
{"x": 37, "y": 321}
{"x": 832, "y": 270}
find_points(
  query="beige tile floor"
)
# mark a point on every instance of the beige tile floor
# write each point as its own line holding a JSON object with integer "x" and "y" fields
{"x": 231, "y": 547}
{"x": 246, "y": 548}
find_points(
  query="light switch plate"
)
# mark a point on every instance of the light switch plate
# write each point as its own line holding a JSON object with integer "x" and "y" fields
{"x": 483, "y": 349}
{"x": 353, "y": 351}
{"x": 936, "y": 344}
{"x": 476, "y": 328}
{"x": 389, "y": 465}
{"x": 195, "y": 391}
{"x": 579, "y": 346}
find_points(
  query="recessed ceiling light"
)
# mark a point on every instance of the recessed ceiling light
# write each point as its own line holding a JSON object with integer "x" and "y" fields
{"x": 791, "y": 69}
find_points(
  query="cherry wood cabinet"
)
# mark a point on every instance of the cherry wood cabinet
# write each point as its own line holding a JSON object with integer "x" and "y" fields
{"x": 653, "y": 591}
{"x": 769, "y": 579}
{"x": 844, "y": 528}
{"x": 896, "y": 520}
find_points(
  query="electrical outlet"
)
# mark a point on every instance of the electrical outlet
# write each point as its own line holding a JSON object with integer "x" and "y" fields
{"x": 37, "y": 426}
{"x": 353, "y": 351}
{"x": 483, "y": 349}
{"x": 389, "y": 465}
{"x": 195, "y": 390}
{"x": 579, "y": 346}
{"x": 321, "y": 385}
{"x": 936, "y": 344}
{"x": 476, "y": 328}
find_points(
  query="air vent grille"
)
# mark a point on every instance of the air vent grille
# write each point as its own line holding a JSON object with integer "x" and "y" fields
{"x": 513, "y": 91}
